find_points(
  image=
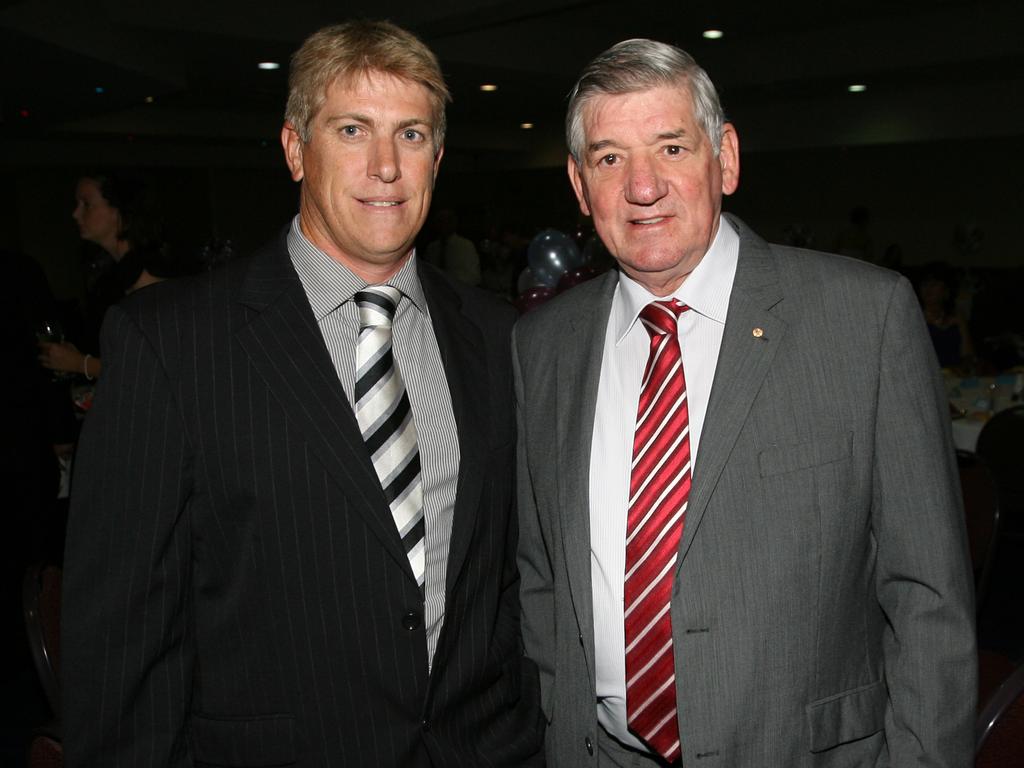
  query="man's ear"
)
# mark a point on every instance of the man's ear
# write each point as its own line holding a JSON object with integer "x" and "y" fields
{"x": 729, "y": 157}
{"x": 437, "y": 161}
{"x": 576, "y": 179}
{"x": 292, "y": 144}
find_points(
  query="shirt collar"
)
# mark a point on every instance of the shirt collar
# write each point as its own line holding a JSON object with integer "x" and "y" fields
{"x": 705, "y": 291}
{"x": 329, "y": 283}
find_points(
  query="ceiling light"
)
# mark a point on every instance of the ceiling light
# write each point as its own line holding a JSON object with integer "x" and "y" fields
{"x": 526, "y": 126}
{"x": 100, "y": 89}
{"x": 712, "y": 34}
{"x": 268, "y": 65}
{"x": 148, "y": 99}
{"x": 857, "y": 88}
{"x": 488, "y": 87}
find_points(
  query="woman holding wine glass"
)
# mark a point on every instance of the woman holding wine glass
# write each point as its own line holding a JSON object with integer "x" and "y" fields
{"x": 113, "y": 211}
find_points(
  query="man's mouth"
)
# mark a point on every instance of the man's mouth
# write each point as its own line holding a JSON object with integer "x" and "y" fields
{"x": 652, "y": 220}
{"x": 382, "y": 203}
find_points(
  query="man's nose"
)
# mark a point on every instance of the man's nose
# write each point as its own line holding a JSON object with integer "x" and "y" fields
{"x": 383, "y": 161}
{"x": 644, "y": 184}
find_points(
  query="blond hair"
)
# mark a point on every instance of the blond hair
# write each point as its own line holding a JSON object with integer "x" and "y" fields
{"x": 356, "y": 48}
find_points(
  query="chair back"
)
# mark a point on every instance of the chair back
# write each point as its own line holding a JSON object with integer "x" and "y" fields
{"x": 41, "y": 598}
{"x": 981, "y": 511}
{"x": 45, "y": 752}
{"x": 1001, "y": 444}
{"x": 999, "y": 731}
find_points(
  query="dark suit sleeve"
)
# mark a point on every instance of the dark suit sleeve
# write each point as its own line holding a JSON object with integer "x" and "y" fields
{"x": 536, "y": 579}
{"x": 127, "y": 663}
{"x": 923, "y": 582}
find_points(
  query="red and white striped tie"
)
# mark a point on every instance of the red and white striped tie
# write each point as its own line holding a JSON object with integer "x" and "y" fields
{"x": 659, "y": 487}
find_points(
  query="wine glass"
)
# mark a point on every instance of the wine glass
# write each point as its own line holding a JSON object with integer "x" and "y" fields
{"x": 50, "y": 331}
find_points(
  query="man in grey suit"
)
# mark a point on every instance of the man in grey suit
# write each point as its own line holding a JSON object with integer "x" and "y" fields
{"x": 740, "y": 532}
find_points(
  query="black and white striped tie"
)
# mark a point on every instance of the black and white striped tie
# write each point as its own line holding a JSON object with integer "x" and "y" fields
{"x": 385, "y": 419}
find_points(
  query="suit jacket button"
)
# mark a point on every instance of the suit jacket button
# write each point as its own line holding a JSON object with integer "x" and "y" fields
{"x": 411, "y": 621}
{"x": 590, "y": 746}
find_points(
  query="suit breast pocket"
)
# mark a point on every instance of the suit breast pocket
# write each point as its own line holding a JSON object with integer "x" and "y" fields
{"x": 782, "y": 458}
{"x": 265, "y": 741}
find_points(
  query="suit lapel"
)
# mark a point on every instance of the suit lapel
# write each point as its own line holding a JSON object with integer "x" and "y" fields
{"x": 459, "y": 340}
{"x": 578, "y": 376}
{"x": 743, "y": 361}
{"x": 287, "y": 350}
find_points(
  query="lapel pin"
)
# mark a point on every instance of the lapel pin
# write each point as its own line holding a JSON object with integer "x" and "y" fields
{"x": 758, "y": 333}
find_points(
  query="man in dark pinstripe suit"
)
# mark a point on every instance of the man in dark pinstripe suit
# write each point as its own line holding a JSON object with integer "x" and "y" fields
{"x": 237, "y": 592}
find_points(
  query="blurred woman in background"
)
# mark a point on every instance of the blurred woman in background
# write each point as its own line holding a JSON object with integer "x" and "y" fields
{"x": 116, "y": 212}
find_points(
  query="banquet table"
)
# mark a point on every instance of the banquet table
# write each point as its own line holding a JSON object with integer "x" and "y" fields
{"x": 975, "y": 399}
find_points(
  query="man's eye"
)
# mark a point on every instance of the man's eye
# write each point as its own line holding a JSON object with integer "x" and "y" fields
{"x": 410, "y": 134}
{"x": 608, "y": 160}
{"x": 673, "y": 149}
{"x": 350, "y": 130}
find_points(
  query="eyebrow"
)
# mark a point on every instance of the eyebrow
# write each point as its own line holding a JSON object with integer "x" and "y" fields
{"x": 603, "y": 144}
{"x": 358, "y": 117}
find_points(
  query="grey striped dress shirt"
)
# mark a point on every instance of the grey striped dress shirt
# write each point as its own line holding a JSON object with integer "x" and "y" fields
{"x": 330, "y": 286}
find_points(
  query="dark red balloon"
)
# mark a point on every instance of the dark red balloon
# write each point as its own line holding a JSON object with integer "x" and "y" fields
{"x": 532, "y": 298}
{"x": 576, "y": 276}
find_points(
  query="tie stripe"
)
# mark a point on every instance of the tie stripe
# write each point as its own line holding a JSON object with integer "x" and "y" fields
{"x": 659, "y": 489}
{"x": 386, "y": 420}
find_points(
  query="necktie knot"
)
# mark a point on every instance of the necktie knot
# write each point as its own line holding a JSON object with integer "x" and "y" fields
{"x": 377, "y": 305}
{"x": 661, "y": 317}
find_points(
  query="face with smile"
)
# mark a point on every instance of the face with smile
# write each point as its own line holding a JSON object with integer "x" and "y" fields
{"x": 367, "y": 172}
{"x": 652, "y": 183}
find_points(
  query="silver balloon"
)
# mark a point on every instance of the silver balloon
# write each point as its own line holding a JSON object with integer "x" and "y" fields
{"x": 550, "y": 255}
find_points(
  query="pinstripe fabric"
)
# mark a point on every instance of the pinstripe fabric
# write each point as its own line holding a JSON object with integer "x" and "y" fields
{"x": 329, "y": 287}
{"x": 235, "y": 591}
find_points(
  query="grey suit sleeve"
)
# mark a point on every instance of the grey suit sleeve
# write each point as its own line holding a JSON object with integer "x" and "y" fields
{"x": 536, "y": 579}
{"x": 127, "y": 667}
{"x": 923, "y": 578}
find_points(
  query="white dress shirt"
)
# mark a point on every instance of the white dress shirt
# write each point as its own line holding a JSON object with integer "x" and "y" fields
{"x": 706, "y": 291}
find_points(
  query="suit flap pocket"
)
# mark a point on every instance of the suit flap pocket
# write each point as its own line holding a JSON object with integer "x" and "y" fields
{"x": 847, "y": 716}
{"x": 789, "y": 458}
{"x": 259, "y": 742}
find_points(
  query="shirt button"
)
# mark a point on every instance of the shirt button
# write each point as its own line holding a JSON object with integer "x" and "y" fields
{"x": 411, "y": 621}
{"x": 426, "y": 725}
{"x": 590, "y": 746}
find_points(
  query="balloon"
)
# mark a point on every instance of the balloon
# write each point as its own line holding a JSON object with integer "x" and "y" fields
{"x": 550, "y": 255}
{"x": 532, "y": 298}
{"x": 525, "y": 280}
{"x": 594, "y": 251}
{"x": 576, "y": 276}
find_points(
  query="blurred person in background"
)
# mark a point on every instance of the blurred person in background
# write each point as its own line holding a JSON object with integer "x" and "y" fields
{"x": 948, "y": 328}
{"x": 115, "y": 211}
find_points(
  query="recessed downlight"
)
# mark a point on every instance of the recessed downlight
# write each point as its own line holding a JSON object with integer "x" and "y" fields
{"x": 857, "y": 88}
{"x": 488, "y": 87}
{"x": 712, "y": 34}
{"x": 269, "y": 65}
{"x": 526, "y": 126}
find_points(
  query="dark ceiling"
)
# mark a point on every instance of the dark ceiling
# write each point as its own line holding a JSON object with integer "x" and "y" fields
{"x": 934, "y": 70}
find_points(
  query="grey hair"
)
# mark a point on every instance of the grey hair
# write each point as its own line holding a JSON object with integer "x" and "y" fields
{"x": 638, "y": 65}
